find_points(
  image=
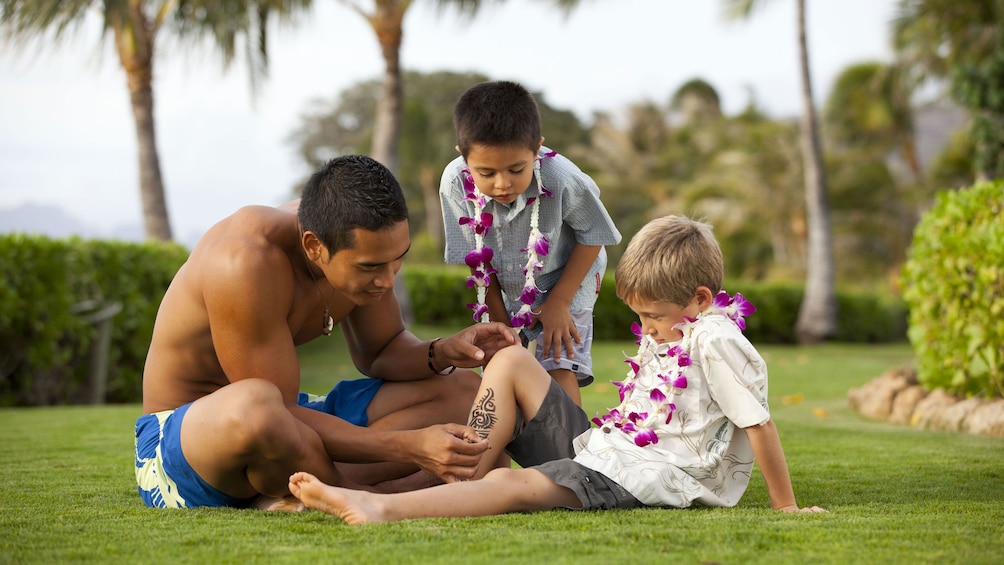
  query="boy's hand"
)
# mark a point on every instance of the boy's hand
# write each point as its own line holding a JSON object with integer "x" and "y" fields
{"x": 795, "y": 508}
{"x": 559, "y": 329}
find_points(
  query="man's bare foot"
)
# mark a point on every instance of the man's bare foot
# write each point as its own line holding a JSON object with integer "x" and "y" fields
{"x": 352, "y": 506}
{"x": 272, "y": 504}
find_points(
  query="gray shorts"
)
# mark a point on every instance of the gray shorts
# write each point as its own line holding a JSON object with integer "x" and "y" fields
{"x": 595, "y": 490}
{"x": 549, "y": 435}
{"x": 582, "y": 364}
{"x": 545, "y": 443}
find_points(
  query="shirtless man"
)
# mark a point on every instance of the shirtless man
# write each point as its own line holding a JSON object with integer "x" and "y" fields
{"x": 222, "y": 425}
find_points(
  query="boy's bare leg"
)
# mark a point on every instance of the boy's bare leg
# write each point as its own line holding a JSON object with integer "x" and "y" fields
{"x": 569, "y": 382}
{"x": 500, "y": 492}
{"x": 512, "y": 378}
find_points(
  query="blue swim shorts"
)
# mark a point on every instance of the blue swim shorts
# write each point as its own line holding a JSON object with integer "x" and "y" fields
{"x": 166, "y": 480}
{"x": 163, "y": 475}
{"x": 348, "y": 400}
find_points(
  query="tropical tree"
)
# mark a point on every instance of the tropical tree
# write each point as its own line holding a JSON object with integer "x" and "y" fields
{"x": 870, "y": 106}
{"x": 817, "y": 315}
{"x": 961, "y": 43}
{"x": 868, "y": 118}
{"x": 134, "y": 26}
{"x": 386, "y": 17}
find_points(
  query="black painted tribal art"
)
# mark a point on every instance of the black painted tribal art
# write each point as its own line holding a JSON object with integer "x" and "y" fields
{"x": 483, "y": 415}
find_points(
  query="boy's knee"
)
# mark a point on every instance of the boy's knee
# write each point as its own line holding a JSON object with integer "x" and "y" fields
{"x": 510, "y": 357}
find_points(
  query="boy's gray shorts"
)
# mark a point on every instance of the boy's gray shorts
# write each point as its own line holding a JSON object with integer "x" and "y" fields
{"x": 545, "y": 443}
{"x": 549, "y": 435}
{"x": 594, "y": 489}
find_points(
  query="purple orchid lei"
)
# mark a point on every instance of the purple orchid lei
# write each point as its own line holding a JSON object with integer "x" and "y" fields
{"x": 673, "y": 361}
{"x": 479, "y": 259}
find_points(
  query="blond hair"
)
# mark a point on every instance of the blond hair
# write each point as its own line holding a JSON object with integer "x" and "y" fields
{"x": 668, "y": 259}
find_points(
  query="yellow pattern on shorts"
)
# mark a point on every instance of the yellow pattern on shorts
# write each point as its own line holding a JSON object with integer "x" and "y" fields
{"x": 151, "y": 477}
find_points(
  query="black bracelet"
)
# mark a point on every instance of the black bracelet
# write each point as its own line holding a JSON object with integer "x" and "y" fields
{"x": 446, "y": 371}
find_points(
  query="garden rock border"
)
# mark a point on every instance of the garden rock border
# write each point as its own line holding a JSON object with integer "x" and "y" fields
{"x": 896, "y": 397}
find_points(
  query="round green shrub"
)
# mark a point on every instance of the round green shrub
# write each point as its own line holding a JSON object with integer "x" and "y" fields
{"x": 954, "y": 288}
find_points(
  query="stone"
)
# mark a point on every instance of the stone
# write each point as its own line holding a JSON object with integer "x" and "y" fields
{"x": 987, "y": 419}
{"x": 952, "y": 417}
{"x": 927, "y": 414}
{"x": 905, "y": 403}
{"x": 874, "y": 399}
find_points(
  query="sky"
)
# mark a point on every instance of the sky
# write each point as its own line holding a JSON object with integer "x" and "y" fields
{"x": 67, "y": 137}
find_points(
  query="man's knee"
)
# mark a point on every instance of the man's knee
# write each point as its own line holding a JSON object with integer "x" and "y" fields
{"x": 251, "y": 409}
{"x": 462, "y": 385}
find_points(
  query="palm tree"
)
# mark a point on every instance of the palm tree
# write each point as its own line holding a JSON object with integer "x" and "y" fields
{"x": 963, "y": 43}
{"x": 869, "y": 106}
{"x": 134, "y": 26}
{"x": 817, "y": 316}
{"x": 386, "y": 17}
{"x": 867, "y": 117}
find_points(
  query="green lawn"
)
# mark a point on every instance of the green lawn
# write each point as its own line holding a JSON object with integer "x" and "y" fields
{"x": 896, "y": 494}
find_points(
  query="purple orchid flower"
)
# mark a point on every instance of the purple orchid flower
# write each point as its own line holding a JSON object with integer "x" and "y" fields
{"x": 683, "y": 360}
{"x": 523, "y": 320}
{"x": 529, "y": 294}
{"x": 636, "y": 330}
{"x": 538, "y": 243}
{"x": 476, "y": 259}
{"x": 680, "y": 382}
{"x": 645, "y": 436}
{"x": 479, "y": 310}
{"x": 657, "y": 395}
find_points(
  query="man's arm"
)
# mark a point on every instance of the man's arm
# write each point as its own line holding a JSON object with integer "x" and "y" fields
{"x": 248, "y": 316}
{"x": 770, "y": 458}
{"x": 382, "y": 348}
{"x": 447, "y": 451}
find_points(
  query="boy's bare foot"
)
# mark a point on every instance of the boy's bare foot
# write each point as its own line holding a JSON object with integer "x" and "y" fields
{"x": 352, "y": 506}
{"x": 272, "y": 504}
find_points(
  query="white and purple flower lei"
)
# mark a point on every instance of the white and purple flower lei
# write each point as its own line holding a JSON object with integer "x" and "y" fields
{"x": 673, "y": 361}
{"x": 479, "y": 259}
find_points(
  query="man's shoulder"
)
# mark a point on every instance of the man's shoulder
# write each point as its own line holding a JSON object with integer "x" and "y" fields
{"x": 253, "y": 237}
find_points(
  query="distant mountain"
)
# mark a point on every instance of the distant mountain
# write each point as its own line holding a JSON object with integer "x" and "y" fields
{"x": 53, "y": 221}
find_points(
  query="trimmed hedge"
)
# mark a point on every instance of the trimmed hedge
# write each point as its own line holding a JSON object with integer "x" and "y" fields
{"x": 45, "y": 344}
{"x": 954, "y": 284}
{"x": 440, "y": 295}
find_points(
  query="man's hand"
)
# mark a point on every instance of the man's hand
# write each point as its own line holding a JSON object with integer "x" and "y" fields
{"x": 450, "y": 452}
{"x": 474, "y": 346}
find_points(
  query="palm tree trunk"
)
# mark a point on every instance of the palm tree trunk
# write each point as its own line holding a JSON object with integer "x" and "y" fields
{"x": 134, "y": 44}
{"x": 817, "y": 316}
{"x": 429, "y": 181}
{"x": 387, "y": 23}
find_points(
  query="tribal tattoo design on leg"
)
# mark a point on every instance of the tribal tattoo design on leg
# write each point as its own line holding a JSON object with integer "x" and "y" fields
{"x": 483, "y": 414}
